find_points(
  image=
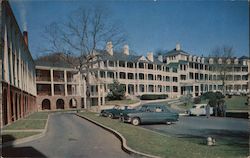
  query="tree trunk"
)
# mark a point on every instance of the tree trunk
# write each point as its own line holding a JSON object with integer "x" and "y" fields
{"x": 88, "y": 91}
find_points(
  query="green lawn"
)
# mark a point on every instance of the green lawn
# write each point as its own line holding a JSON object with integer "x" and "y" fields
{"x": 121, "y": 102}
{"x": 237, "y": 103}
{"x": 11, "y": 136}
{"x": 38, "y": 115}
{"x": 166, "y": 146}
{"x": 26, "y": 124}
{"x": 36, "y": 120}
{"x": 234, "y": 103}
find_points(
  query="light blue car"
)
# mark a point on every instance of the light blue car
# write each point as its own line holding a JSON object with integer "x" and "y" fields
{"x": 150, "y": 114}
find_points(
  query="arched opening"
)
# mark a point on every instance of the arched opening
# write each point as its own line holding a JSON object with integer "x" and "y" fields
{"x": 46, "y": 104}
{"x": 19, "y": 105}
{"x": 72, "y": 103}
{"x": 11, "y": 107}
{"x": 5, "y": 110}
{"x": 60, "y": 104}
{"x": 16, "y": 113}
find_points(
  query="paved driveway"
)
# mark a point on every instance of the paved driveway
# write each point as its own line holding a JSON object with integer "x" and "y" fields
{"x": 230, "y": 129}
{"x": 70, "y": 136}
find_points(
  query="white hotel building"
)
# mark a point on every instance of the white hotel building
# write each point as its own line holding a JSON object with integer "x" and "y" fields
{"x": 175, "y": 73}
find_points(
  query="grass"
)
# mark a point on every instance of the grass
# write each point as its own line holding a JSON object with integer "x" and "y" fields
{"x": 38, "y": 115}
{"x": 121, "y": 102}
{"x": 34, "y": 121}
{"x": 26, "y": 124}
{"x": 166, "y": 146}
{"x": 11, "y": 136}
{"x": 237, "y": 103}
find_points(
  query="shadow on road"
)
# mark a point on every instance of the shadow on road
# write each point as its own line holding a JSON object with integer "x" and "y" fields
{"x": 12, "y": 151}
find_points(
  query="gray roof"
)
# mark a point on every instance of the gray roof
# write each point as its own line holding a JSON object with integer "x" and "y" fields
{"x": 175, "y": 52}
{"x": 123, "y": 57}
{"x": 53, "y": 60}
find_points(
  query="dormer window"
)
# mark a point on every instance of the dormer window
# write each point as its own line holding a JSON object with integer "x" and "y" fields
{"x": 211, "y": 61}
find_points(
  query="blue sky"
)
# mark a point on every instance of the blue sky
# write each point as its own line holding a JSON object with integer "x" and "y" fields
{"x": 199, "y": 26}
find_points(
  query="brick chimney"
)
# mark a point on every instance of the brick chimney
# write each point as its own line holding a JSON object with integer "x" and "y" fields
{"x": 160, "y": 58}
{"x": 126, "y": 49}
{"x": 150, "y": 56}
{"x": 109, "y": 48}
{"x": 178, "y": 46}
{"x": 25, "y": 37}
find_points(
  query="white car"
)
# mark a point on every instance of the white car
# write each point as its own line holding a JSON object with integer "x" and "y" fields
{"x": 199, "y": 109}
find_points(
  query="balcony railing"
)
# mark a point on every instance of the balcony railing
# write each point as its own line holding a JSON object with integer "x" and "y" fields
{"x": 43, "y": 93}
{"x": 43, "y": 78}
{"x": 59, "y": 93}
{"x": 56, "y": 79}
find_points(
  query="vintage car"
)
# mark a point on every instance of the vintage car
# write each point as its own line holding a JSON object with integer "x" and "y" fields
{"x": 115, "y": 111}
{"x": 150, "y": 114}
{"x": 199, "y": 109}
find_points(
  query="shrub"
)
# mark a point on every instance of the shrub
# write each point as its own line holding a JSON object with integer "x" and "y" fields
{"x": 197, "y": 100}
{"x": 153, "y": 96}
{"x": 117, "y": 91}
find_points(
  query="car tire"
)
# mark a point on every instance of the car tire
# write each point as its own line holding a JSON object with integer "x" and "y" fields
{"x": 135, "y": 121}
{"x": 110, "y": 115}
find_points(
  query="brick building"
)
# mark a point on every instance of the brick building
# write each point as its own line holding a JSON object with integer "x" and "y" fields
{"x": 18, "y": 87}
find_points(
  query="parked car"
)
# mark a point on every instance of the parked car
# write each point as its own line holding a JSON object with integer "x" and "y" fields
{"x": 150, "y": 114}
{"x": 199, "y": 109}
{"x": 115, "y": 111}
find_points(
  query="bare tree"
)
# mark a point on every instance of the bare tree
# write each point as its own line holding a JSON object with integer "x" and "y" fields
{"x": 82, "y": 35}
{"x": 223, "y": 63}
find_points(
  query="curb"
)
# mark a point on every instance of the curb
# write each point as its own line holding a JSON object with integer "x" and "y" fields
{"x": 27, "y": 139}
{"x": 121, "y": 138}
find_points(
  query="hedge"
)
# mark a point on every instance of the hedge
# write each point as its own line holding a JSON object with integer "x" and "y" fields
{"x": 153, "y": 96}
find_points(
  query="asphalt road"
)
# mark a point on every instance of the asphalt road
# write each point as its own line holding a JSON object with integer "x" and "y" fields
{"x": 237, "y": 130}
{"x": 70, "y": 136}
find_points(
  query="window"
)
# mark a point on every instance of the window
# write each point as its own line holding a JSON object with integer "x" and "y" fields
{"x": 167, "y": 78}
{"x": 121, "y": 64}
{"x": 150, "y": 66}
{"x": 191, "y": 75}
{"x": 141, "y": 65}
{"x": 141, "y": 76}
{"x": 183, "y": 77}
{"x": 175, "y": 89}
{"x": 175, "y": 79}
{"x": 111, "y": 64}
{"x": 174, "y": 70}
{"x": 167, "y": 69}
{"x": 130, "y": 65}
{"x": 150, "y": 77}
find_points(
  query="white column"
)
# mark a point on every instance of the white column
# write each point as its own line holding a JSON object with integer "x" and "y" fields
{"x": 99, "y": 94}
{"x": 52, "y": 82}
{"x": 103, "y": 95}
{"x": 65, "y": 83}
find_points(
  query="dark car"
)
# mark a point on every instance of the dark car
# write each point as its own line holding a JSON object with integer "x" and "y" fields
{"x": 115, "y": 111}
{"x": 150, "y": 114}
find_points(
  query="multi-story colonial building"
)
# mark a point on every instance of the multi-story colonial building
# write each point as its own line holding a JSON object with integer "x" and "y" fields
{"x": 60, "y": 86}
{"x": 175, "y": 73}
{"x": 18, "y": 87}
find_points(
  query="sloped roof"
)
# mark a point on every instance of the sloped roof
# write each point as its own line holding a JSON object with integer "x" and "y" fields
{"x": 176, "y": 52}
{"x": 54, "y": 60}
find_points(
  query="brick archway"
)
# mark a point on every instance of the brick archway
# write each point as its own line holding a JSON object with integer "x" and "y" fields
{"x": 46, "y": 104}
{"x": 72, "y": 103}
{"x": 5, "y": 108}
{"x": 60, "y": 104}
